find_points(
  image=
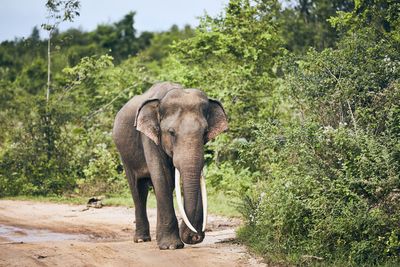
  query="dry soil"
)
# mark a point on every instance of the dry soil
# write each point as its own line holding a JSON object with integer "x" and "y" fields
{"x": 47, "y": 234}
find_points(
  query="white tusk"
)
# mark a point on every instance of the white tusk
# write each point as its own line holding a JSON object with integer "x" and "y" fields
{"x": 203, "y": 199}
{"x": 180, "y": 201}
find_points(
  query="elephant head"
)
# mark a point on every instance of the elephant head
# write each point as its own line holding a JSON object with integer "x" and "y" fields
{"x": 181, "y": 123}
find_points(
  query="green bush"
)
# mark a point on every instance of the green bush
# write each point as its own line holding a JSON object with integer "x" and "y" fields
{"x": 330, "y": 184}
{"x": 99, "y": 163}
{"x": 64, "y": 146}
{"x": 331, "y": 193}
{"x": 37, "y": 161}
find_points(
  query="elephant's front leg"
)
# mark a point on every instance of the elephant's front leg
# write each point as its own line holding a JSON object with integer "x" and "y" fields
{"x": 167, "y": 224}
{"x": 161, "y": 172}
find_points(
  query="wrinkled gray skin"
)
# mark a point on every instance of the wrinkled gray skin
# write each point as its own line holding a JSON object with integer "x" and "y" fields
{"x": 163, "y": 129}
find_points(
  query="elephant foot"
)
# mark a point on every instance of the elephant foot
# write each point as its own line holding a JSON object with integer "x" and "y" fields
{"x": 141, "y": 239}
{"x": 170, "y": 244}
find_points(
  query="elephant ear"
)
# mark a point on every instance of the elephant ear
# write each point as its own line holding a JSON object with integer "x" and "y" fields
{"x": 147, "y": 120}
{"x": 217, "y": 120}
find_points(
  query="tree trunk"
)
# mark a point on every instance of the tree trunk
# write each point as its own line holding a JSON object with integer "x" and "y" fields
{"x": 48, "y": 68}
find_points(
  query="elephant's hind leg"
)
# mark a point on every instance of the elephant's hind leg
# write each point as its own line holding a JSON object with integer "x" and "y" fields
{"x": 139, "y": 189}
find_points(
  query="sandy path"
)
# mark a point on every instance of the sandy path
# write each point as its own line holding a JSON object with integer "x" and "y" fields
{"x": 103, "y": 237}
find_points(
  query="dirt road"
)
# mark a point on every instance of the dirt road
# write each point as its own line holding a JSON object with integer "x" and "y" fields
{"x": 45, "y": 234}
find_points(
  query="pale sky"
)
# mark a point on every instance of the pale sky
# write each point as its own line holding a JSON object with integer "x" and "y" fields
{"x": 18, "y": 17}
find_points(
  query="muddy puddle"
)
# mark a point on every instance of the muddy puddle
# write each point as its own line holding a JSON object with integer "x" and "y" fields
{"x": 17, "y": 234}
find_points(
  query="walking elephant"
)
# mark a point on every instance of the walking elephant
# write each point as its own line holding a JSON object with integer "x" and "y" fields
{"x": 160, "y": 136}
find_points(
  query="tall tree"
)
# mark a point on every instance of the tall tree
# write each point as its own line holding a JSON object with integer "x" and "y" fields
{"x": 58, "y": 11}
{"x": 305, "y": 24}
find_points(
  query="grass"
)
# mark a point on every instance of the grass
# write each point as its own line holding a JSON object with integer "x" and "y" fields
{"x": 52, "y": 199}
{"x": 221, "y": 204}
{"x": 218, "y": 203}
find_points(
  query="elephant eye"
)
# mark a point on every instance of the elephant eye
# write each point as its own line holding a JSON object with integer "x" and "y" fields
{"x": 171, "y": 131}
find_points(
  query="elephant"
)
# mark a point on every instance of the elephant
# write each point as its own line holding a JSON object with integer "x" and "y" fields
{"x": 159, "y": 136}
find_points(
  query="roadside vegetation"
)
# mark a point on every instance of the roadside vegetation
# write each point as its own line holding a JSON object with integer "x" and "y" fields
{"x": 311, "y": 88}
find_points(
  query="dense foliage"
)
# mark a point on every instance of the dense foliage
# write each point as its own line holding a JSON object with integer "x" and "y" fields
{"x": 312, "y": 92}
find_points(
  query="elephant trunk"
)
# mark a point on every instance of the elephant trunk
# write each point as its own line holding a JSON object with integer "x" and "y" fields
{"x": 193, "y": 211}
